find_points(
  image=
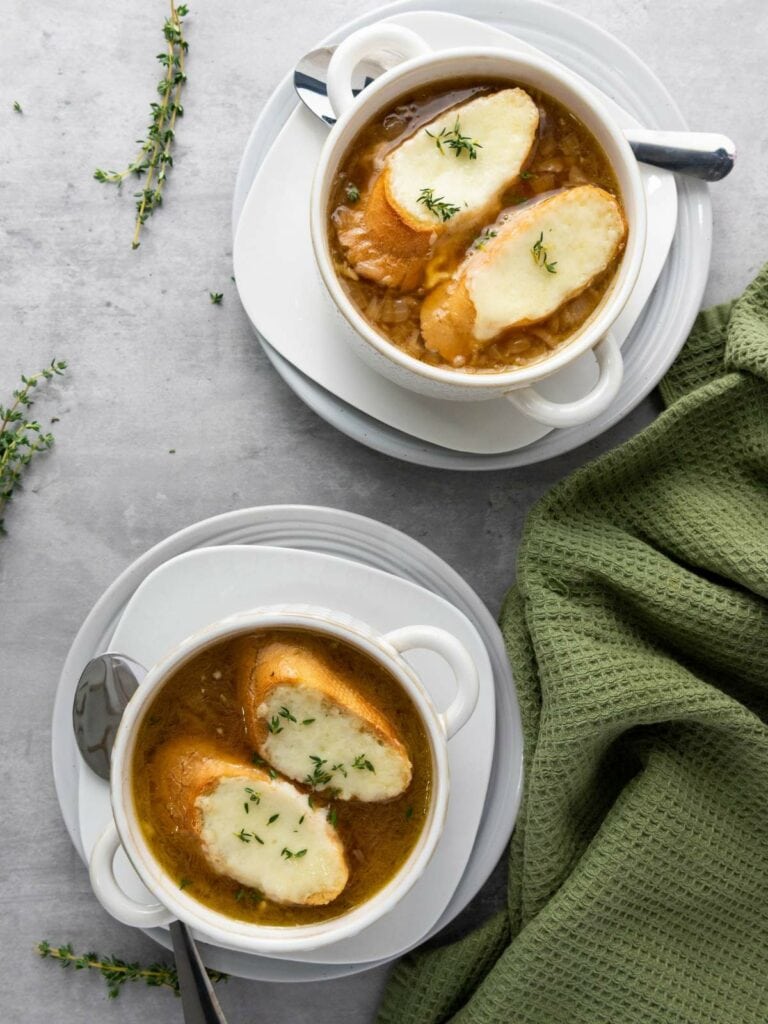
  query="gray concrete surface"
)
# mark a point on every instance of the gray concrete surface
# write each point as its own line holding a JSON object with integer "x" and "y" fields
{"x": 154, "y": 366}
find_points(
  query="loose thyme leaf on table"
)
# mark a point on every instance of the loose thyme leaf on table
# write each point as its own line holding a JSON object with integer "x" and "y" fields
{"x": 21, "y": 437}
{"x": 117, "y": 972}
{"x": 17, "y": 107}
{"x": 154, "y": 157}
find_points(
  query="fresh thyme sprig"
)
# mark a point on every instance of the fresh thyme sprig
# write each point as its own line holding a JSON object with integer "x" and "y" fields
{"x": 21, "y": 437}
{"x": 320, "y": 776}
{"x": 117, "y": 972}
{"x": 540, "y": 257}
{"x": 17, "y": 107}
{"x": 438, "y": 206}
{"x": 453, "y": 139}
{"x": 154, "y": 157}
{"x": 216, "y": 298}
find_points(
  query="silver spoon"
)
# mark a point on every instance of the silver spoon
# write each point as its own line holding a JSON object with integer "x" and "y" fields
{"x": 106, "y": 685}
{"x": 705, "y": 155}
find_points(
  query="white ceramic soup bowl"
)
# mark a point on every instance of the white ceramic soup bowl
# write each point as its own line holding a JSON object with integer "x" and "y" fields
{"x": 421, "y": 67}
{"x": 209, "y": 924}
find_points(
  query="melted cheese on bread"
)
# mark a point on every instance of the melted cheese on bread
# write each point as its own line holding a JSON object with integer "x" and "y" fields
{"x": 502, "y": 126}
{"x": 255, "y": 829}
{"x": 541, "y": 257}
{"x": 388, "y": 235}
{"x": 311, "y": 724}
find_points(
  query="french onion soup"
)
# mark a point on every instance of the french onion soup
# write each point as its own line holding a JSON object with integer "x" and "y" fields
{"x": 282, "y": 777}
{"x": 476, "y": 225}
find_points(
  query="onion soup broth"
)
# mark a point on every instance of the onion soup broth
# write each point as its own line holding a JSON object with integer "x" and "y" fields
{"x": 565, "y": 154}
{"x": 199, "y": 702}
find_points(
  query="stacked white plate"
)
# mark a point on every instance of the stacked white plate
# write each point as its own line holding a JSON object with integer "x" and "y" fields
{"x": 302, "y": 554}
{"x": 303, "y": 336}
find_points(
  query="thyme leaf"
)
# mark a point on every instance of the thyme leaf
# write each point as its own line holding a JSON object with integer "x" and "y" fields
{"x": 441, "y": 209}
{"x": 482, "y": 240}
{"x": 319, "y": 775}
{"x": 452, "y": 138}
{"x": 540, "y": 257}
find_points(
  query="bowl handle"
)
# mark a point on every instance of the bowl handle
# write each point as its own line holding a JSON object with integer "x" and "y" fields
{"x": 570, "y": 414}
{"x": 111, "y": 896}
{"x": 401, "y": 42}
{"x": 431, "y": 638}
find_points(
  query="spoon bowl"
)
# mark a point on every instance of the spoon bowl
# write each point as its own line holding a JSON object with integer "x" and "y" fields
{"x": 106, "y": 685}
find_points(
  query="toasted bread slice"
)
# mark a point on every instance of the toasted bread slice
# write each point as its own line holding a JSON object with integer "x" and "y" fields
{"x": 379, "y": 244}
{"x": 498, "y": 132}
{"x": 389, "y": 235}
{"x": 541, "y": 257}
{"x": 309, "y": 722}
{"x": 260, "y": 831}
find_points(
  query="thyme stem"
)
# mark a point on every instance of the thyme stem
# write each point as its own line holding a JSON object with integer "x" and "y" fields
{"x": 117, "y": 972}
{"x": 154, "y": 156}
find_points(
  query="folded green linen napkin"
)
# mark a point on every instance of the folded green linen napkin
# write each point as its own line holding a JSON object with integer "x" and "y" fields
{"x": 638, "y": 635}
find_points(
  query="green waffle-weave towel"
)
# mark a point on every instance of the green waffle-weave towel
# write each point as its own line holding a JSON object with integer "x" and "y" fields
{"x": 638, "y": 635}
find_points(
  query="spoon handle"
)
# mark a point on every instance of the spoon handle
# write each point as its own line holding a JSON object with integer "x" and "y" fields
{"x": 704, "y": 155}
{"x": 198, "y": 1000}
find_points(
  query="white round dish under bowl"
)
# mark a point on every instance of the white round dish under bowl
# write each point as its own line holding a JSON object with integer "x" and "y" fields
{"x": 310, "y": 333}
{"x": 658, "y": 327}
{"x": 179, "y": 601}
{"x": 362, "y": 542}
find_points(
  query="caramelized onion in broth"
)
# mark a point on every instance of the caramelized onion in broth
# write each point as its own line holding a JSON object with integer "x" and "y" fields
{"x": 565, "y": 154}
{"x": 200, "y": 701}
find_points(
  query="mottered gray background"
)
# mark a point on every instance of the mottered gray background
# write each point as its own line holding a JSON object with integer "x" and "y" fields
{"x": 154, "y": 366}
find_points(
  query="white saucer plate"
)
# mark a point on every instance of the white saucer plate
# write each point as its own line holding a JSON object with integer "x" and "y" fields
{"x": 661, "y": 323}
{"x": 311, "y": 334}
{"x": 200, "y": 587}
{"x": 330, "y": 532}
